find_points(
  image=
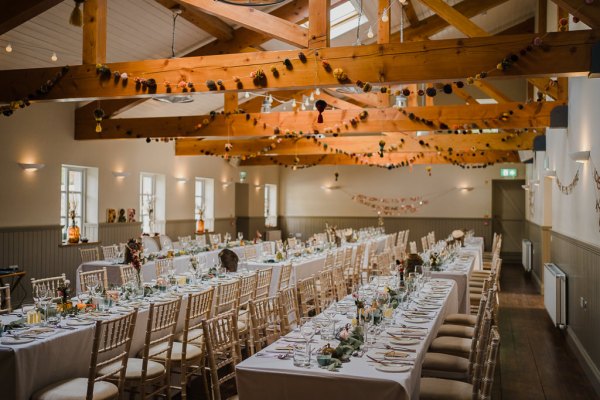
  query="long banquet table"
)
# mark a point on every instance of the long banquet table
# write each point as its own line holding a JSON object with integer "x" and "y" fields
{"x": 265, "y": 377}
{"x": 460, "y": 271}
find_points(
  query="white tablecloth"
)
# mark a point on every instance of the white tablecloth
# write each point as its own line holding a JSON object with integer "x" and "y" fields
{"x": 476, "y": 244}
{"x": 460, "y": 272}
{"x": 181, "y": 264}
{"x": 266, "y": 378}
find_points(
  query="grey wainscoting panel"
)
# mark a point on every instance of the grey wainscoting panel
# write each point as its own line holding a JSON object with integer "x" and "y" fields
{"x": 119, "y": 232}
{"x": 533, "y": 232}
{"x": 581, "y": 263}
{"x": 181, "y": 227}
{"x": 418, "y": 227}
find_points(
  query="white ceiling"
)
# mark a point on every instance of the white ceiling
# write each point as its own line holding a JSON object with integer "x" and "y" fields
{"x": 142, "y": 29}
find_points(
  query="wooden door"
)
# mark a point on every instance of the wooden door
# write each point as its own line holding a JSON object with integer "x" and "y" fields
{"x": 508, "y": 216}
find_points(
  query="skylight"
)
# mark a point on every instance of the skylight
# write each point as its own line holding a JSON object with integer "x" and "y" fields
{"x": 343, "y": 18}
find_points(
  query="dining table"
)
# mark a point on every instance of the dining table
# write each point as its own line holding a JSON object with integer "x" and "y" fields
{"x": 389, "y": 368}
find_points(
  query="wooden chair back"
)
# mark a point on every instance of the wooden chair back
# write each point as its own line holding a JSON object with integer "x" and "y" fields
{"x": 285, "y": 277}
{"x": 267, "y": 248}
{"x": 326, "y": 289}
{"x": 480, "y": 359}
{"x": 308, "y": 298}
{"x": 266, "y": 321}
{"x": 290, "y": 313}
{"x": 250, "y": 253}
{"x": 52, "y": 283}
{"x": 485, "y": 388}
{"x": 263, "y": 285}
{"x": 110, "y": 252}
{"x": 329, "y": 259}
{"x": 114, "y": 336}
{"x": 424, "y": 243}
{"x": 339, "y": 283}
{"x": 128, "y": 274}
{"x": 163, "y": 266}
{"x": 100, "y": 276}
{"x": 227, "y": 297}
{"x": 5, "y": 306}
{"x": 222, "y": 348}
{"x": 89, "y": 255}
{"x": 248, "y": 286}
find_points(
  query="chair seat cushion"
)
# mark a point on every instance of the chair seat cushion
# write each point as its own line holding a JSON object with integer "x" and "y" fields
{"x": 451, "y": 345}
{"x": 441, "y": 365}
{"x": 76, "y": 389}
{"x": 191, "y": 351}
{"x": 456, "y": 331}
{"x": 134, "y": 369}
{"x": 444, "y": 389}
{"x": 461, "y": 319}
{"x": 242, "y": 327}
{"x": 195, "y": 336}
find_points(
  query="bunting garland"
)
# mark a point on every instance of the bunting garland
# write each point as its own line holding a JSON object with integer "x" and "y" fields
{"x": 568, "y": 189}
{"x": 391, "y": 206}
{"x": 597, "y": 191}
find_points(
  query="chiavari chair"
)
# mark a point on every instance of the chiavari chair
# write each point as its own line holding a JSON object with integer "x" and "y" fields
{"x": 308, "y": 299}
{"x": 97, "y": 276}
{"x": 89, "y": 255}
{"x": 5, "y": 306}
{"x": 52, "y": 283}
{"x": 290, "y": 313}
{"x": 263, "y": 285}
{"x": 266, "y": 321}
{"x": 128, "y": 273}
{"x": 339, "y": 283}
{"x": 250, "y": 253}
{"x": 105, "y": 378}
{"x": 110, "y": 252}
{"x": 326, "y": 289}
{"x": 285, "y": 277}
{"x": 163, "y": 266}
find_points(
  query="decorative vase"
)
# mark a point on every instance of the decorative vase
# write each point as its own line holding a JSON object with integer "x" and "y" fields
{"x": 139, "y": 290}
{"x": 200, "y": 226}
{"x": 73, "y": 233}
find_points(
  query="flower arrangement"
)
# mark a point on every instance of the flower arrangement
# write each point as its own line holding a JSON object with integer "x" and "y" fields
{"x": 133, "y": 255}
{"x": 63, "y": 291}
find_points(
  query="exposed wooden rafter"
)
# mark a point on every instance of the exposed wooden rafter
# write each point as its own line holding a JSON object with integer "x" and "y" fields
{"x": 587, "y": 13}
{"x": 94, "y": 32}
{"x": 208, "y": 23}
{"x": 253, "y": 19}
{"x": 564, "y": 54}
{"x": 318, "y": 23}
{"x": 388, "y": 159}
{"x": 455, "y": 18}
{"x": 487, "y": 116}
{"x": 398, "y": 143}
{"x": 14, "y": 13}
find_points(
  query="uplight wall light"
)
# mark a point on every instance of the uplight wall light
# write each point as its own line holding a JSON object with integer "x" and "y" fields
{"x": 580, "y": 156}
{"x": 31, "y": 167}
{"x": 121, "y": 174}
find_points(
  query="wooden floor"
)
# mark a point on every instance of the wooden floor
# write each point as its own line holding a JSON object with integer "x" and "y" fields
{"x": 535, "y": 360}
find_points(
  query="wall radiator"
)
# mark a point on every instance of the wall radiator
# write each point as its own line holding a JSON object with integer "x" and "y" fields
{"x": 555, "y": 294}
{"x": 527, "y": 249}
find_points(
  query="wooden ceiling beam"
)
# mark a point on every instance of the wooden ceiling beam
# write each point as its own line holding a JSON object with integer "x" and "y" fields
{"x": 534, "y": 115}
{"x": 15, "y": 13}
{"x": 253, "y": 19}
{"x": 400, "y": 143}
{"x": 383, "y": 27}
{"x": 94, "y": 32}
{"x": 455, "y": 18}
{"x": 565, "y": 54}
{"x": 343, "y": 159}
{"x": 587, "y": 13}
{"x": 208, "y": 23}
{"x": 411, "y": 14}
{"x": 435, "y": 23}
{"x": 318, "y": 23}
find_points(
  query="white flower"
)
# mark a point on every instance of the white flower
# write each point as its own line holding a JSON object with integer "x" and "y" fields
{"x": 457, "y": 234}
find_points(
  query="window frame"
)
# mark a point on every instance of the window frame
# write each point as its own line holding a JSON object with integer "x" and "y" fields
{"x": 270, "y": 205}
{"x": 208, "y": 202}
{"x": 80, "y": 219}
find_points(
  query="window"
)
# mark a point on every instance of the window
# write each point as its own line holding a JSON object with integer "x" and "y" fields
{"x": 343, "y": 18}
{"x": 270, "y": 206}
{"x": 152, "y": 203}
{"x": 205, "y": 202}
{"x": 79, "y": 200}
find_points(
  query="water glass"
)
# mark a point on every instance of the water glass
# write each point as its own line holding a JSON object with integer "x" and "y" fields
{"x": 328, "y": 329}
{"x": 301, "y": 356}
{"x": 52, "y": 315}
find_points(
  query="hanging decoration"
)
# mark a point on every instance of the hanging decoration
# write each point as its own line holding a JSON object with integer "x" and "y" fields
{"x": 99, "y": 116}
{"x": 568, "y": 189}
{"x": 391, "y": 205}
{"x": 597, "y": 190}
{"x": 320, "y": 105}
{"x": 76, "y": 18}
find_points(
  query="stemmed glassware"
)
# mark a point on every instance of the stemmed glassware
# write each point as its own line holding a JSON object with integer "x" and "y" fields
{"x": 308, "y": 331}
{"x": 240, "y": 236}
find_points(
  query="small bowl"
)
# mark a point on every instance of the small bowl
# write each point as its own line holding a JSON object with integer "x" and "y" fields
{"x": 323, "y": 359}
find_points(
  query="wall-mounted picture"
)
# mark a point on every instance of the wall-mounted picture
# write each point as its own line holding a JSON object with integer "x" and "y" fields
{"x": 131, "y": 215}
{"x": 111, "y": 215}
{"x": 122, "y": 217}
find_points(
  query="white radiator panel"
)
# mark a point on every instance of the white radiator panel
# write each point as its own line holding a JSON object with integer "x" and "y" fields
{"x": 555, "y": 294}
{"x": 527, "y": 249}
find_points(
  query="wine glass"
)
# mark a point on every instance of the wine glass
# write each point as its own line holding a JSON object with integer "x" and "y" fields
{"x": 308, "y": 331}
{"x": 92, "y": 285}
{"x": 240, "y": 236}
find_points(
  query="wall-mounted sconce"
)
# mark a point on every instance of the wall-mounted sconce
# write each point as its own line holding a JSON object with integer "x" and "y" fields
{"x": 31, "y": 167}
{"x": 465, "y": 188}
{"x": 526, "y": 187}
{"x": 535, "y": 182}
{"x": 330, "y": 187}
{"x": 550, "y": 173}
{"x": 181, "y": 179}
{"x": 227, "y": 183}
{"x": 580, "y": 156}
{"x": 121, "y": 174}
{"x": 258, "y": 187}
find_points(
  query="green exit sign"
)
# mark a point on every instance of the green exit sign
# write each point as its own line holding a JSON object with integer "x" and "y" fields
{"x": 508, "y": 172}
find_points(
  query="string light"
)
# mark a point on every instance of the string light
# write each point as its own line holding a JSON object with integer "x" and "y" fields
{"x": 303, "y": 107}
{"x": 54, "y": 57}
{"x": 370, "y": 33}
{"x": 293, "y": 103}
{"x": 8, "y": 48}
{"x": 384, "y": 16}
{"x": 247, "y": 95}
{"x": 312, "y": 96}
{"x": 317, "y": 91}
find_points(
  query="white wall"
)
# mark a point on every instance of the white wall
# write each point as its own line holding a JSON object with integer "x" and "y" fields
{"x": 43, "y": 133}
{"x": 302, "y": 195}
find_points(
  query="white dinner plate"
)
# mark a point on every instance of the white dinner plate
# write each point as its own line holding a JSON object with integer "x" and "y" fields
{"x": 392, "y": 368}
{"x": 429, "y": 307}
{"x": 11, "y": 340}
{"x": 78, "y": 322}
{"x": 404, "y": 342}
{"x": 417, "y": 320}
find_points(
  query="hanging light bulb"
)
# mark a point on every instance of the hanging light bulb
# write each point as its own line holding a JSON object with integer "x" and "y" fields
{"x": 312, "y": 96}
{"x": 384, "y": 16}
{"x": 247, "y": 95}
{"x": 266, "y": 107}
{"x": 270, "y": 99}
{"x": 403, "y": 2}
{"x": 306, "y": 102}
{"x": 293, "y": 103}
{"x": 370, "y": 33}
{"x": 358, "y": 42}
{"x": 8, "y": 48}
{"x": 318, "y": 91}
{"x": 54, "y": 56}
{"x": 303, "y": 107}
{"x": 284, "y": 107}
